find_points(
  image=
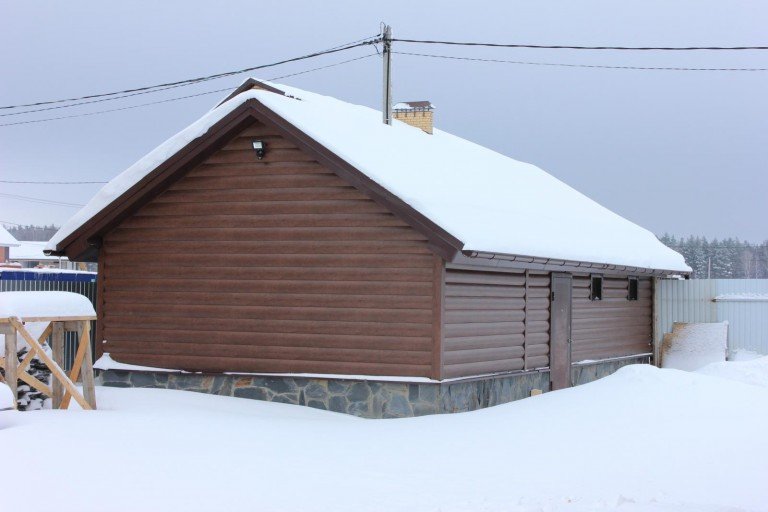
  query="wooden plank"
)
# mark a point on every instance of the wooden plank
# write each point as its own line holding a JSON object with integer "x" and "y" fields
{"x": 375, "y": 262}
{"x": 77, "y": 364}
{"x": 89, "y": 382}
{"x": 464, "y": 330}
{"x": 263, "y": 353}
{"x": 11, "y": 362}
{"x": 138, "y": 333}
{"x": 248, "y": 207}
{"x": 171, "y": 249}
{"x": 483, "y": 355}
{"x": 484, "y": 367}
{"x": 320, "y": 314}
{"x": 56, "y": 370}
{"x": 295, "y": 300}
{"x": 486, "y": 278}
{"x": 469, "y": 317}
{"x": 482, "y": 342}
{"x": 267, "y": 234}
{"x": 291, "y": 220}
{"x": 57, "y": 351}
{"x": 372, "y": 288}
{"x": 117, "y": 319}
{"x": 301, "y": 274}
{"x": 35, "y": 383}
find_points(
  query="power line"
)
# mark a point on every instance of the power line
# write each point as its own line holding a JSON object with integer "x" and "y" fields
{"x": 323, "y": 67}
{"x": 567, "y": 47}
{"x": 198, "y": 79}
{"x": 115, "y": 109}
{"x": 54, "y": 182}
{"x": 644, "y": 68}
{"x": 41, "y": 201}
{"x": 168, "y": 100}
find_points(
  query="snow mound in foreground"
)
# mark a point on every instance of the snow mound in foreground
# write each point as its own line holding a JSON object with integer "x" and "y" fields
{"x": 754, "y": 371}
{"x": 6, "y": 397}
{"x": 642, "y": 439}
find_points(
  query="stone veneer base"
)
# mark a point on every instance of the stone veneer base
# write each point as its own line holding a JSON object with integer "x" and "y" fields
{"x": 365, "y": 398}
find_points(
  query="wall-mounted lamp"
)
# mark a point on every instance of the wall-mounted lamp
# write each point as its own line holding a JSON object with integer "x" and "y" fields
{"x": 258, "y": 146}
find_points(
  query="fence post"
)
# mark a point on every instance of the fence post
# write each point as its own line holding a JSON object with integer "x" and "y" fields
{"x": 11, "y": 361}
{"x": 57, "y": 349}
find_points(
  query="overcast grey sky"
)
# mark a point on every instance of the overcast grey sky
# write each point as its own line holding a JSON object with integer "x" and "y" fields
{"x": 678, "y": 152}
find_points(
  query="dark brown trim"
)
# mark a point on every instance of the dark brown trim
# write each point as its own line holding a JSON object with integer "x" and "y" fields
{"x": 247, "y": 86}
{"x": 472, "y": 260}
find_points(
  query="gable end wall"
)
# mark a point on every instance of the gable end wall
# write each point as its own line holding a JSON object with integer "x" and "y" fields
{"x": 273, "y": 265}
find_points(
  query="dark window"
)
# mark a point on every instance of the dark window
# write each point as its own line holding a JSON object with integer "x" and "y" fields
{"x": 596, "y": 288}
{"x": 633, "y": 289}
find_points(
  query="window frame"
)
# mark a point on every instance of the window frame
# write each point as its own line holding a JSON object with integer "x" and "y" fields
{"x": 595, "y": 293}
{"x": 633, "y": 280}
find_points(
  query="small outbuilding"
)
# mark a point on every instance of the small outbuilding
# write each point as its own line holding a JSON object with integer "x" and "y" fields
{"x": 289, "y": 246}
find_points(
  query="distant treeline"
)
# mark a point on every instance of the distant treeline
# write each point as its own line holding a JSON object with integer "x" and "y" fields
{"x": 32, "y": 233}
{"x": 728, "y": 258}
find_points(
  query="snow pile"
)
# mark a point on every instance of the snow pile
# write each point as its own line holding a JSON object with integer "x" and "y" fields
{"x": 691, "y": 346}
{"x": 643, "y": 439}
{"x": 6, "y": 397}
{"x": 742, "y": 354}
{"x": 490, "y": 202}
{"x": 105, "y": 362}
{"x": 44, "y": 304}
{"x": 753, "y": 372}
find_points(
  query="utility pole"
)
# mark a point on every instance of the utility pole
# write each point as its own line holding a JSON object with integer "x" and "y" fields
{"x": 386, "y": 37}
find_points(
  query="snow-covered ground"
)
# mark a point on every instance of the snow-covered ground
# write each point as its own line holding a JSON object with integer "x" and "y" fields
{"x": 643, "y": 439}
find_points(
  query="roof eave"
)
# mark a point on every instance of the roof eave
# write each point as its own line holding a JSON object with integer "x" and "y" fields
{"x": 502, "y": 260}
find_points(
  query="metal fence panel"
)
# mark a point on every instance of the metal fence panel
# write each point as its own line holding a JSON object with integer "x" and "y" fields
{"x": 693, "y": 300}
{"x": 83, "y": 288}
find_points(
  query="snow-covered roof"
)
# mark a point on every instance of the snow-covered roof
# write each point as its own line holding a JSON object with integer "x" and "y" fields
{"x": 489, "y": 201}
{"x": 30, "y": 251}
{"x": 7, "y": 239}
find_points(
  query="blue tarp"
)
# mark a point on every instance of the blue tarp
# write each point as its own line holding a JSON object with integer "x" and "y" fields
{"x": 48, "y": 275}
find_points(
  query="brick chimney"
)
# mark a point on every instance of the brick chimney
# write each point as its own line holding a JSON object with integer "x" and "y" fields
{"x": 415, "y": 113}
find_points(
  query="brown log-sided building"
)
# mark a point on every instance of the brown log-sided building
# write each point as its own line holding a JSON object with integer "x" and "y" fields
{"x": 268, "y": 238}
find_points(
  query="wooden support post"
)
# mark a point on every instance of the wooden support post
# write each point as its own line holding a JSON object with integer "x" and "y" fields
{"x": 56, "y": 370}
{"x": 57, "y": 348}
{"x": 89, "y": 384}
{"x": 83, "y": 362}
{"x": 11, "y": 362}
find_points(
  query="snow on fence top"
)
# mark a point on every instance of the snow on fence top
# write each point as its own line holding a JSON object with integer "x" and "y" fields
{"x": 490, "y": 202}
{"x": 26, "y": 305}
{"x": 742, "y": 297}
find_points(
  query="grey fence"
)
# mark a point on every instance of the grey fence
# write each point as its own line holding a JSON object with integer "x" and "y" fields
{"x": 83, "y": 288}
{"x": 743, "y": 303}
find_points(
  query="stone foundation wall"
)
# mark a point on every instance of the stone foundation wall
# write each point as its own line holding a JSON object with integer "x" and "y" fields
{"x": 584, "y": 373}
{"x": 365, "y": 398}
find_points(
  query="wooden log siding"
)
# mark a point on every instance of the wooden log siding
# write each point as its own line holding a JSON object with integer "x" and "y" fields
{"x": 614, "y": 326}
{"x": 495, "y": 322}
{"x": 273, "y": 265}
